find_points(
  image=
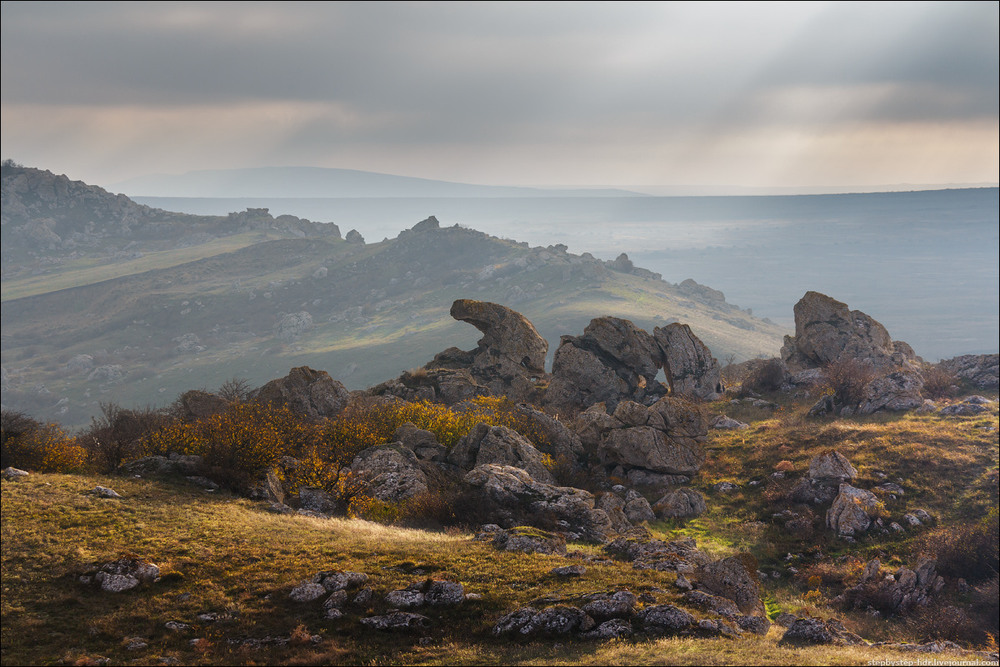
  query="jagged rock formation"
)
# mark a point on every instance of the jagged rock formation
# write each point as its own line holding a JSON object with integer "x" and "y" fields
{"x": 896, "y": 594}
{"x": 850, "y": 343}
{"x": 827, "y": 472}
{"x": 853, "y": 511}
{"x": 980, "y": 370}
{"x": 309, "y": 392}
{"x": 515, "y": 498}
{"x": 646, "y": 444}
{"x": 501, "y": 445}
{"x": 688, "y": 363}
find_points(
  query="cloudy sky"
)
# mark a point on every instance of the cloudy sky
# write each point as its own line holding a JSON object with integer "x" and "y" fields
{"x": 741, "y": 94}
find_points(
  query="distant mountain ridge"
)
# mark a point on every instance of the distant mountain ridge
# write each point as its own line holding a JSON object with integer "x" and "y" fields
{"x": 136, "y": 318}
{"x": 328, "y": 182}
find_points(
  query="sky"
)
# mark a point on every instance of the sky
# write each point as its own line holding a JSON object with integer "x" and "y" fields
{"x": 756, "y": 95}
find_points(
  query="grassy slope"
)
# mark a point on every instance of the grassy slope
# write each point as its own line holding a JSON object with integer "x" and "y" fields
{"x": 233, "y": 301}
{"x": 224, "y": 554}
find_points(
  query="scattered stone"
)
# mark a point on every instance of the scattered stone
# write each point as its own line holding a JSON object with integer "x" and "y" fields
{"x": 10, "y": 473}
{"x": 852, "y": 511}
{"x": 962, "y": 410}
{"x": 616, "y": 628}
{"x": 125, "y": 574}
{"x": 569, "y": 571}
{"x": 831, "y": 468}
{"x": 397, "y": 621}
{"x": 817, "y": 631}
{"x": 682, "y": 503}
{"x": 104, "y": 492}
{"x": 307, "y": 592}
{"x": 664, "y": 619}
{"x": 727, "y": 423}
{"x": 734, "y": 578}
{"x": 725, "y": 487}
{"x": 405, "y": 598}
{"x": 176, "y": 626}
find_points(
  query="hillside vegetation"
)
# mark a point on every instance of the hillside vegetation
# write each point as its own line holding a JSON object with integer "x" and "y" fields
{"x": 126, "y": 308}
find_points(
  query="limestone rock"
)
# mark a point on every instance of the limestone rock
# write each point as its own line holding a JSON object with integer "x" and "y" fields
{"x": 831, "y": 468}
{"x": 613, "y": 360}
{"x": 11, "y": 472}
{"x": 125, "y": 574}
{"x": 399, "y": 621}
{"x": 423, "y": 443}
{"x": 734, "y": 578}
{"x": 852, "y": 511}
{"x": 895, "y": 391}
{"x": 499, "y": 444}
{"x": 664, "y": 438}
{"x": 389, "y": 472}
{"x": 817, "y": 631}
{"x": 305, "y": 391}
{"x": 513, "y": 492}
{"x": 664, "y": 619}
{"x": 826, "y": 330}
{"x": 680, "y": 504}
{"x": 688, "y": 363}
{"x": 980, "y": 370}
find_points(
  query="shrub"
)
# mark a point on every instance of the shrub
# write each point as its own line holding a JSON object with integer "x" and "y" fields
{"x": 767, "y": 376}
{"x": 235, "y": 389}
{"x": 847, "y": 378}
{"x": 939, "y": 383}
{"x": 44, "y": 449}
{"x": 971, "y": 551}
{"x": 120, "y": 434}
{"x": 13, "y": 424}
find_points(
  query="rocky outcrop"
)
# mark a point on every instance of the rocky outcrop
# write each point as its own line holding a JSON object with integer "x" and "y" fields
{"x": 308, "y": 392}
{"x": 827, "y": 331}
{"x": 680, "y": 504}
{"x": 390, "y": 472}
{"x": 852, "y": 511}
{"x": 826, "y": 472}
{"x": 979, "y": 370}
{"x": 817, "y": 631}
{"x": 734, "y": 578}
{"x": 895, "y": 391}
{"x": 680, "y": 555}
{"x": 499, "y": 444}
{"x": 898, "y": 593}
{"x": 509, "y": 359}
{"x": 515, "y": 498}
{"x": 664, "y": 438}
{"x": 612, "y": 361}
{"x": 690, "y": 368}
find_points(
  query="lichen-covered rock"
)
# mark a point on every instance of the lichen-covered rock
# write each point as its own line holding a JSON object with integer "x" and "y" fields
{"x": 895, "y": 391}
{"x": 681, "y": 504}
{"x": 817, "y": 631}
{"x": 665, "y": 438}
{"x": 389, "y": 472}
{"x": 980, "y": 370}
{"x": 734, "y": 578}
{"x": 441, "y": 593}
{"x": 307, "y": 591}
{"x": 306, "y": 391}
{"x": 405, "y": 598}
{"x": 423, "y": 443}
{"x": 831, "y": 468}
{"x": 559, "y": 620}
{"x": 397, "y": 621}
{"x": 616, "y": 628}
{"x": 681, "y": 555}
{"x": 514, "y": 495}
{"x": 525, "y": 539}
{"x": 688, "y": 363}
{"x": 664, "y": 619}
{"x": 501, "y": 445}
{"x": 852, "y": 511}
{"x": 511, "y": 623}
{"x": 11, "y": 472}
{"x": 125, "y": 574}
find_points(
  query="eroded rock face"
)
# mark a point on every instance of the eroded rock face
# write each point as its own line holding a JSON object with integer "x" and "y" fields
{"x": 664, "y": 438}
{"x": 690, "y": 368}
{"x": 390, "y": 472}
{"x": 306, "y": 391}
{"x": 499, "y": 444}
{"x": 611, "y": 361}
{"x": 852, "y": 511}
{"x": 981, "y": 370}
{"x": 516, "y": 497}
{"x": 826, "y": 331}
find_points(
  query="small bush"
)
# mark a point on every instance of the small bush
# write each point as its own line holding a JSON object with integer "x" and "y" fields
{"x": 970, "y": 551}
{"x": 120, "y": 434}
{"x": 765, "y": 377}
{"x": 13, "y": 424}
{"x": 939, "y": 383}
{"x": 847, "y": 378}
{"x": 44, "y": 449}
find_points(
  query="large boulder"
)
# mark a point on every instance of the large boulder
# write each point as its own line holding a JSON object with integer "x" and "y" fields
{"x": 734, "y": 578}
{"x": 509, "y": 359}
{"x": 832, "y": 468}
{"x": 895, "y": 391}
{"x": 514, "y": 497}
{"x": 390, "y": 472}
{"x": 680, "y": 504}
{"x": 665, "y": 437}
{"x": 612, "y": 360}
{"x": 852, "y": 511}
{"x": 827, "y": 331}
{"x": 690, "y": 368}
{"x": 980, "y": 370}
{"x": 499, "y": 444}
{"x": 308, "y": 392}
